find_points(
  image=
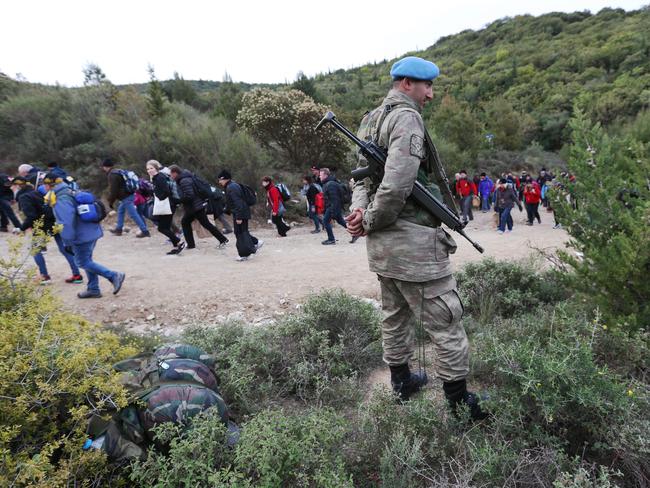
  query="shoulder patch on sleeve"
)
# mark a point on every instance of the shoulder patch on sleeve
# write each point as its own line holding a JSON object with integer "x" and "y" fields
{"x": 417, "y": 146}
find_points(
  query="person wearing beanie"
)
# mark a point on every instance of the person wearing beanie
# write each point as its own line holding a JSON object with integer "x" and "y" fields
{"x": 407, "y": 247}
{"x": 31, "y": 203}
{"x": 118, "y": 191}
{"x": 247, "y": 244}
{"x": 7, "y": 213}
{"x": 195, "y": 206}
{"x": 79, "y": 237}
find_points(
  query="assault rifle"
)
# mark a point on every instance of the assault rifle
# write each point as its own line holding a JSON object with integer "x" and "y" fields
{"x": 376, "y": 157}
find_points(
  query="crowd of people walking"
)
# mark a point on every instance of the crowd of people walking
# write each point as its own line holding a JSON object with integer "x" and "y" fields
{"x": 51, "y": 197}
{"x": 509, "y": 191}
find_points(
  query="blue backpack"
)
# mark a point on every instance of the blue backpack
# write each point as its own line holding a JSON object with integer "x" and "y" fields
{"x": 131, "y": 180}
{"x": 89, "y": 209}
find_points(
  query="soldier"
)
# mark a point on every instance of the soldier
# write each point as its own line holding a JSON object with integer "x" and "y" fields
{"x": 407, "y": 248}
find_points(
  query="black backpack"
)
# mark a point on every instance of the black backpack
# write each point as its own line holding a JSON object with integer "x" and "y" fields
{"x": 346, "y": 193}
{"x": 250, "y": 197}
{"x": 201, "y": 188}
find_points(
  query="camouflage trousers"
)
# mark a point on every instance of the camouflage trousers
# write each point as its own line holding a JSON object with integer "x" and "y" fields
{"x": 437, "y": 305}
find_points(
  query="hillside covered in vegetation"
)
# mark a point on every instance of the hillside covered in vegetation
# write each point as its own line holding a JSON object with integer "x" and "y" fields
{"x": 505, "y": 95}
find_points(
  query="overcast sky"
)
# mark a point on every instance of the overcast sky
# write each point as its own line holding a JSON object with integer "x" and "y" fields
{"x": 254, "y": 41}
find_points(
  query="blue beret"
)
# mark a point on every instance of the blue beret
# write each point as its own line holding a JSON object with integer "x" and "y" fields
{"x": 414, "y": 67}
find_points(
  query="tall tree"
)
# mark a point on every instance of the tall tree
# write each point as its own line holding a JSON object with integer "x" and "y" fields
{"x": 155, "y": 95}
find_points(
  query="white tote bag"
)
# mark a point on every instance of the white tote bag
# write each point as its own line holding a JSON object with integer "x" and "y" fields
{"x": 161, "y": 207}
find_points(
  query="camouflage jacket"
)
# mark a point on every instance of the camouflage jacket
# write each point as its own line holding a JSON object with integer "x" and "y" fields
{"x": 403, "y": 241}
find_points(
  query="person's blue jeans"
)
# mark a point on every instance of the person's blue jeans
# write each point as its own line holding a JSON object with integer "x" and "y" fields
{"x": 39, "y": 259}
{"x": 505, "y": 219}
{"x": 83, "y": 257}
{"x": 127, "y": 205}
{"x": 330, "y": 214}
{"x": 316, "y": 219}
{"x": 68, "y": 257}
{"x": 485, "y": 203}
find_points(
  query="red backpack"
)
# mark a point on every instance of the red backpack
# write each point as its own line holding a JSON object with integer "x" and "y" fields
{"x": 319, "y": 203}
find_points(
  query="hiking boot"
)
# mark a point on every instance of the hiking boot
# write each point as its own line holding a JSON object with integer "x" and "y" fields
{"x": 529, "y": 223}
{"x": 76, "y": 279}
{"x": 117, "y": 281}
{"x": 45, "y": 280}
{"x": 89, "y": 294}
{"x": 143, "y": 233}
{"x": 259, "y": 245}
{"x": 241, "y": 258}
{"x": 315, "y": 231}
{"x": 177, "y": 249}
{"x": 328, "y": 242}
{"x": 405, "y": 383}
{"x": 115, "y": 232}
{"x": 457, "y": 395}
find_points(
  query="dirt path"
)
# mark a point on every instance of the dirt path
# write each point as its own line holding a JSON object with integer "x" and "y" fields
{"x": 164, "y": 293}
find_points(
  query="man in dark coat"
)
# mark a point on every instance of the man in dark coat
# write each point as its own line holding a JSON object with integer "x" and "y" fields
{"x": 247, "y": 243}
{"x": 333, "y": 194}
{"x": 6, "y": 212}
{"x": 194, "y": 206}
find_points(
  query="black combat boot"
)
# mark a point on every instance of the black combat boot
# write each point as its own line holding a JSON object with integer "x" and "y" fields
{"x": 406, "y": 383}
{"x": 457, "y": 394}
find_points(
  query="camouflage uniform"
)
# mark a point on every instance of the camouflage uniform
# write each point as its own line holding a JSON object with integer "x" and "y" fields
{"x": 406, "y": 246}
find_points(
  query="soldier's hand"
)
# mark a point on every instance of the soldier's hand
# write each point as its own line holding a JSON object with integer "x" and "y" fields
{"x": 355, "y": 223}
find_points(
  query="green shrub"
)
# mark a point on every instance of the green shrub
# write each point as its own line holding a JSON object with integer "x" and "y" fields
{"x": 314, "y": 355}
{"x": 491, "y": 288}
{"x": 55, "y": 371}
{"x": 194, "y": 456}
{"x": 606, "y": 211}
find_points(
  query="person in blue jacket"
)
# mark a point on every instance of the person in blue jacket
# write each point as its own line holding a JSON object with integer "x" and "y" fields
{"x": 485, "y": 188}
{"x": 79, "y": 237}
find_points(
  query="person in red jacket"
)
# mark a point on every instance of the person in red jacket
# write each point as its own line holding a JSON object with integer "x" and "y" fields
{"x": 274, "y": 200}
{"x": 465, "y": 189}
{"x": 532, "y": 197}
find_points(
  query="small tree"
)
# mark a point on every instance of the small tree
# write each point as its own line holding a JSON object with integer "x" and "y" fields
{"x": 607, "y": 213}
{"x": 285, "y": 121}
{"x": 155, "y": 95}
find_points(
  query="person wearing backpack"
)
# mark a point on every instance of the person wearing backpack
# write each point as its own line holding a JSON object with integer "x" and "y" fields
{"x": 333, "y": 193}
{"x": 275, "y": 201}
{"x": 162, "y": 190}
{"x": 31, "y": 204}
{"x": 79, "y": 236}
{"x": 238, "y": 202}
{"x": 6, "y": 197}
{"x": 124, "y": 191}
{"x": 310, "y": 191}
{"x": 195, "y": 206}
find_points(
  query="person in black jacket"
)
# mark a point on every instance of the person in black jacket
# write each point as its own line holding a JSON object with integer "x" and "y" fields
{"x": 310, "y": 190}
{"x": 31, "y": 204}
{"x": 247, "y": 243}
{"x": 162, "y": 191}
{"x": 194, "y": 206}
{"x": 6, "y": 212}
{"x": 333, "y": 194}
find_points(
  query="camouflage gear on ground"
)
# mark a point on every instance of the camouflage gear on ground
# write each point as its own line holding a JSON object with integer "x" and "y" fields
{"x": 437, "y": 305}
{"x": 155, "y": 372}
{"x": 178, "y": 404}
{"x": 166, "y": 351}
{"x": 404, "y": 241}
{"x": 173, "y": 384}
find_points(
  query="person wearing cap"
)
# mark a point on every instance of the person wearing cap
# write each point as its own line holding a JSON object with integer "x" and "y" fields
{"x": 7, "y": 213}
{"x": 247, "y": 243}
{"x": 31, "y": 203}
{"x": 117, "y": 191}
{"x": 407, "y": 247}
{"x": 79, "y": 237}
